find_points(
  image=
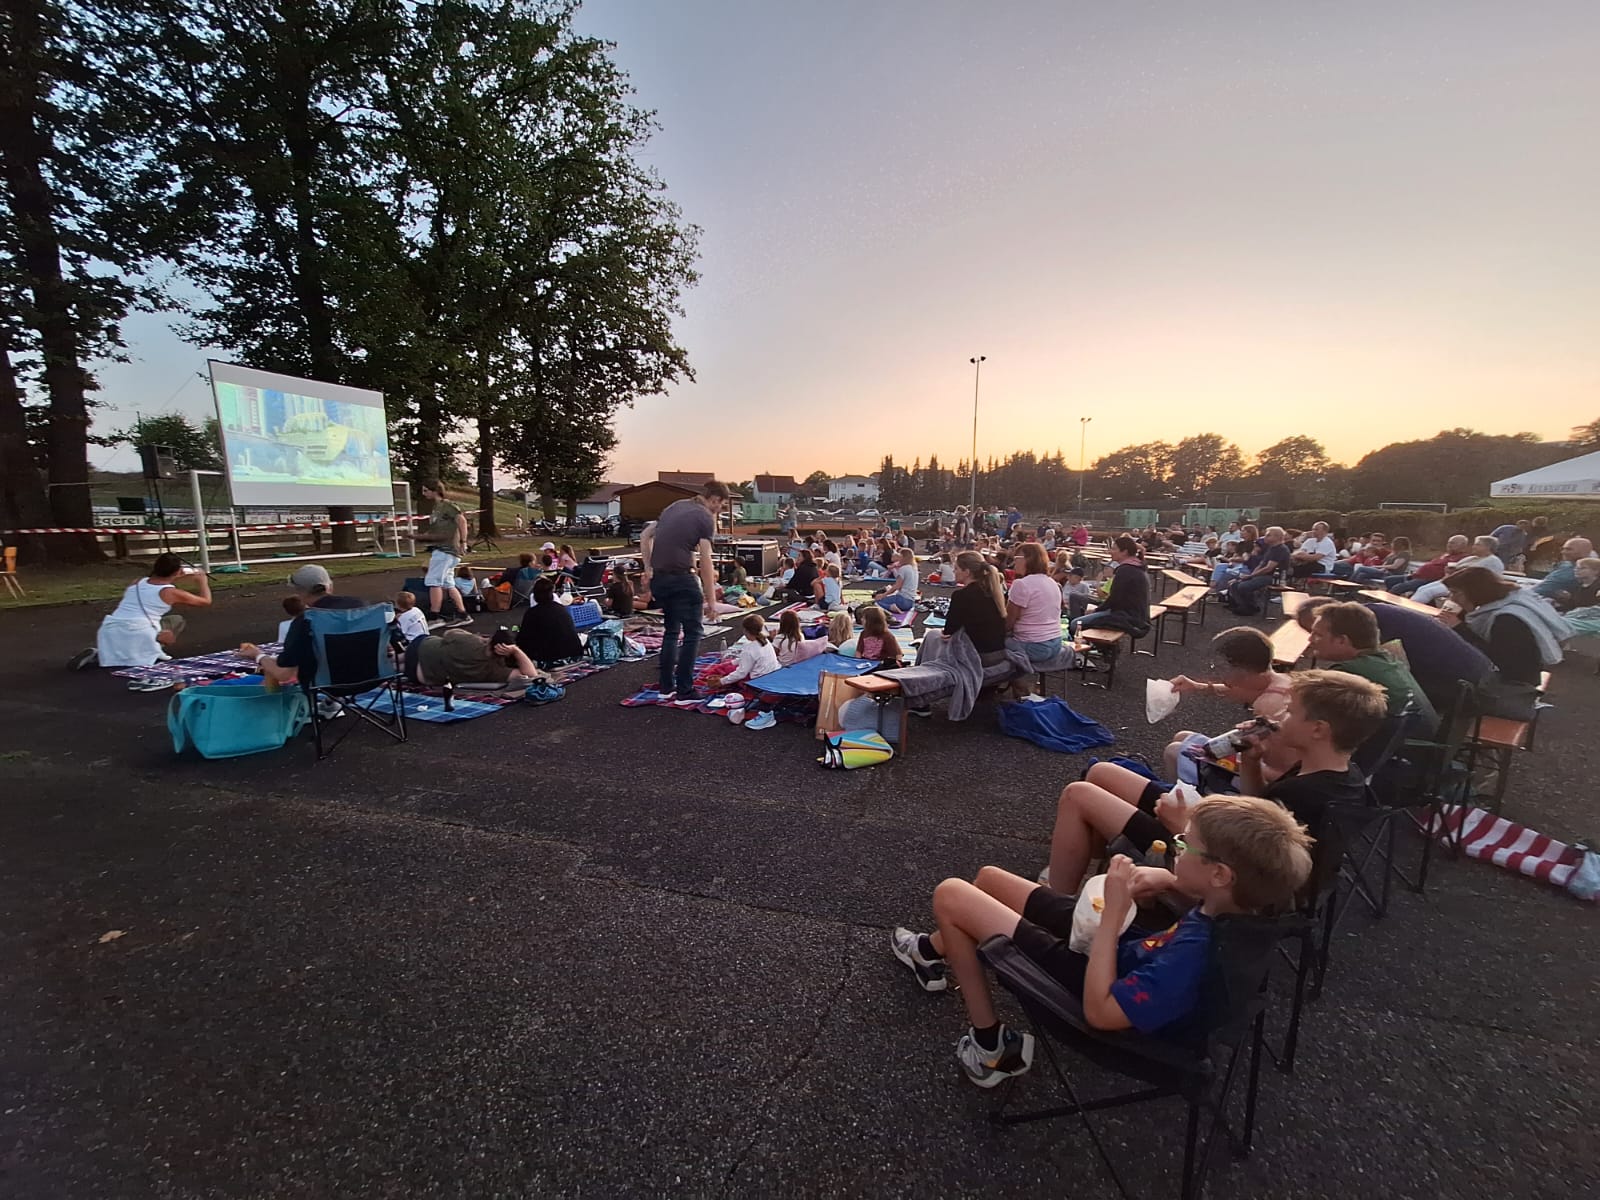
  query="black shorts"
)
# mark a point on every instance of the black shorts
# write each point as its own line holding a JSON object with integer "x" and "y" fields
{"x": 1142, "y": 827}
{"x": 1043, "y": 935}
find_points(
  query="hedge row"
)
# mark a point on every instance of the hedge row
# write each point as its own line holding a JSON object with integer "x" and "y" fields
{"x": 1430, "y": 530}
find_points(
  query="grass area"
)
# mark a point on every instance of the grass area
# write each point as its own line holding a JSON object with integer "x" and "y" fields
{"x": 106, "y": 581}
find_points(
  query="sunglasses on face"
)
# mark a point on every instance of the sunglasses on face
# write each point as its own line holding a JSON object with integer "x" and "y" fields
{"x": 1181, "y": 847}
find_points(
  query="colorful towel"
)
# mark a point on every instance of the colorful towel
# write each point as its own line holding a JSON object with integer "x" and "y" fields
{"x": 1504, "y": 843}
{"x": 197, "y": 667}
{"x": 573, "y": 672}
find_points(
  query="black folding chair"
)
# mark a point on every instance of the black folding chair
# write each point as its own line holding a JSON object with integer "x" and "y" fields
{"x": 1436, "y": 776}
{"x": 356, "y": 675}
{"x": 1369, "y": 828}
{"x": 1202, "y": 1071}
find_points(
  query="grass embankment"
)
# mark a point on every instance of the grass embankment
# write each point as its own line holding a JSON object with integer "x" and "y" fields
{"x": 105, "y": 581}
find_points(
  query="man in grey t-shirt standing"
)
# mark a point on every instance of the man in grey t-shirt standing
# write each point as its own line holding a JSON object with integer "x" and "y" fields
{"x": 669, "y": 546}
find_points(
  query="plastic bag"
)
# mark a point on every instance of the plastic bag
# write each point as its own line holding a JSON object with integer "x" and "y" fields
{"x": 1160, "y": 698}
{"x": 1086, "y": 918}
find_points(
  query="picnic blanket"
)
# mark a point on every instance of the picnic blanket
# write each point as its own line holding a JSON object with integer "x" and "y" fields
{"x": 420, "y": 706}
{"x": 197, "y": 667}
{"x": 804, "y": 678}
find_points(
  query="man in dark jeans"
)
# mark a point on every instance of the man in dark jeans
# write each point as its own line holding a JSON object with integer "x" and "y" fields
{"x": 1270, "y": 557}
{"x": 669, "y": 547}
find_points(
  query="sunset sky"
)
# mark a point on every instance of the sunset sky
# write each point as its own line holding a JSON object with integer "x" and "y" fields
{"x": 1364, "y": 222}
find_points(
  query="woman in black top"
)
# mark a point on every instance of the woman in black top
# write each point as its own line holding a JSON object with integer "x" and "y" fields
{"x": 805, "y": 574}
{"x": 1127, "y": 605}
{"x": 979, "y": 607}
{"x": 547, "y": 634}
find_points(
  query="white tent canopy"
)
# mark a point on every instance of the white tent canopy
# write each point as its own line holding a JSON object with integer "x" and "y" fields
{"x": 1575, "y": 479}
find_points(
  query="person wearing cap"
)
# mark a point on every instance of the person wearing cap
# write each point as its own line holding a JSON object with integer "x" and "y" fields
{"x": 315, "y": 586}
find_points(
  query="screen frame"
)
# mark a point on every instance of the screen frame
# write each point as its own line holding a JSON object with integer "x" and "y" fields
{"x": 292, "y": 495}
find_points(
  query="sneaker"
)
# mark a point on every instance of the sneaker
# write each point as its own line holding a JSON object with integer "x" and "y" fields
{"x": 764, "y": 720}
{"x": 1044, "y": 877}
{"x": 920, "y": 710}
{"x": 689, "y": 699}
{"x": 988, "y": 1067}
{"x": 436, "y": 623}
{"x": 83, "y": 658}
{"x": 150, "y": 685}
{"x": 328, "y": 709}
{"x": 665, "y": 698}
{"x": 458, "y": 622}
{"x": 932, "y": 974}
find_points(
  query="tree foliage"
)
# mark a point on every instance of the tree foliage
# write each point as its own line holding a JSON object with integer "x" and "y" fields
{"x": 194, "y": 447}
{"x": 1455, "y": 467}
{"x": 1587, "y": 437}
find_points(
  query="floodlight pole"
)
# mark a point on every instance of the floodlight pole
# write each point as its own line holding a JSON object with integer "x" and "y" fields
{"x": 977, "y": 367}
{"x": 1083, "y": 440}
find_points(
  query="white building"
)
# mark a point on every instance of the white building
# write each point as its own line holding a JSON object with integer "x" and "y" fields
{"x": 603, "y": 503}
{"x": 775, "y": 489}
{"x": 853, "y": 489}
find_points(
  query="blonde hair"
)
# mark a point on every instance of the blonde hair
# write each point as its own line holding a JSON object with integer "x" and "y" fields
{"x": 1353, "y": 707}
{"x": 984, "y": 577}
{"x": 833, "y": 571}
{"x": 1591, "y": 565}
{"x": 840, "y": 627}
{"x": 1268, "y": 851}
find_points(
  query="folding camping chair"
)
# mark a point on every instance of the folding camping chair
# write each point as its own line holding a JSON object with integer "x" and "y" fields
{"x": 1202, "y": 1072}
{"x": 1440, "y": 777}
{"x": 353, "y": 659}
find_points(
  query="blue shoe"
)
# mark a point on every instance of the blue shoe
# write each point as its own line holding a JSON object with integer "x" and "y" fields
{"x": 764, "y": 720}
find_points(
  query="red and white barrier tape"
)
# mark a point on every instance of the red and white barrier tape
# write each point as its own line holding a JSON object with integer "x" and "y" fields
{"x": 216, "y": 528}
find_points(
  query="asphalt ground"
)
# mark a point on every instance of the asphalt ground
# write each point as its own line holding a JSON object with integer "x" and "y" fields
{"x": 589, "y": 950}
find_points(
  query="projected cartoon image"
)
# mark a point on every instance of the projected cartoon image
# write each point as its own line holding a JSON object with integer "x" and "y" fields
{"x": 281, "y": 437}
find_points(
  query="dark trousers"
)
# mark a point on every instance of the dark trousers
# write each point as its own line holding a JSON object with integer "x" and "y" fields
{"x": 681, "y": 602}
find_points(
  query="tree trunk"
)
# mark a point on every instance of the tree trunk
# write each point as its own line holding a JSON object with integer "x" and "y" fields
{"x": 308, "y": 279}
{"x": 24, "y": 148}
{"x": 485, "y": 455}
{"x": 23, "y": 503}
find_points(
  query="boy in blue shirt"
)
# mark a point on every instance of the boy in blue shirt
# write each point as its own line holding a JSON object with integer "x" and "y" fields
{"x": 1238, "y": 854}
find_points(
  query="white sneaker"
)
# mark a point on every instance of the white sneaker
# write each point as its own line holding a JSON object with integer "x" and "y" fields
{"x": 986, "y": 1068}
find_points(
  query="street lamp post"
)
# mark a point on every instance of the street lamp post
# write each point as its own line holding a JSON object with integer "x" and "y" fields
{"x": 977, "y": 368}
{"x": 1083, "y": 440}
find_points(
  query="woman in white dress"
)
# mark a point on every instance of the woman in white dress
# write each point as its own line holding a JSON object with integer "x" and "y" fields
{"x": 143, "y": 626}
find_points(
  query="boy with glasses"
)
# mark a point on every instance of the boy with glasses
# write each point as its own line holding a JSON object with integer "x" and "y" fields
{"x": 1236, "y": 855}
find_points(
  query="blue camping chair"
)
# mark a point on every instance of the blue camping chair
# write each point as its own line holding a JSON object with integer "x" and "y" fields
{"x": 354, "y": 672}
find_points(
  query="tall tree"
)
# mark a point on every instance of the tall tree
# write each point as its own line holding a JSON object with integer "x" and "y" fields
{"x": 1291, "y": 460}
{"x": 1587, "y": 437}
{"x": 1453, "y": 467}
{"x": 194, "y": 447}
{"x": 278, "y": 104}
{"x": 86, "y": 209}
{"x": 815, "y": 484}
{"x": 1136, "y": 472}
{"x": 1198, "y": 462}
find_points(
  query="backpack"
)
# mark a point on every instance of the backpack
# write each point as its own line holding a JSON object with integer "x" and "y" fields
{"x": 605, "y": 643}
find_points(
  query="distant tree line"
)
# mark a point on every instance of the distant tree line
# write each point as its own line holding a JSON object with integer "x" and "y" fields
{"x": 1455, "y": 467}
{"x": 441, "y": 201}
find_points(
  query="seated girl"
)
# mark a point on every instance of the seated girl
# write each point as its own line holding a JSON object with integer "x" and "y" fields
{"x": 753, "y": 654}
{"x": 827, "y": 592}
{"x": 877, "y": 640}
{"x": 792, "y": 646}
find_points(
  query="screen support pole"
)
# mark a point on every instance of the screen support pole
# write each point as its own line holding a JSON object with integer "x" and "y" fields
{"x": 204, "y": 535}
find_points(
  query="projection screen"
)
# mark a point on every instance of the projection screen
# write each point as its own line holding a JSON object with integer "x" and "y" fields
{"x": 292, "y": 442}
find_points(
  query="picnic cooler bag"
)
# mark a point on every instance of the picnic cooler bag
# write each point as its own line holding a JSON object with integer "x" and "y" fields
{"x": 226, "y": 721}
{"x": 497, "y": 599}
